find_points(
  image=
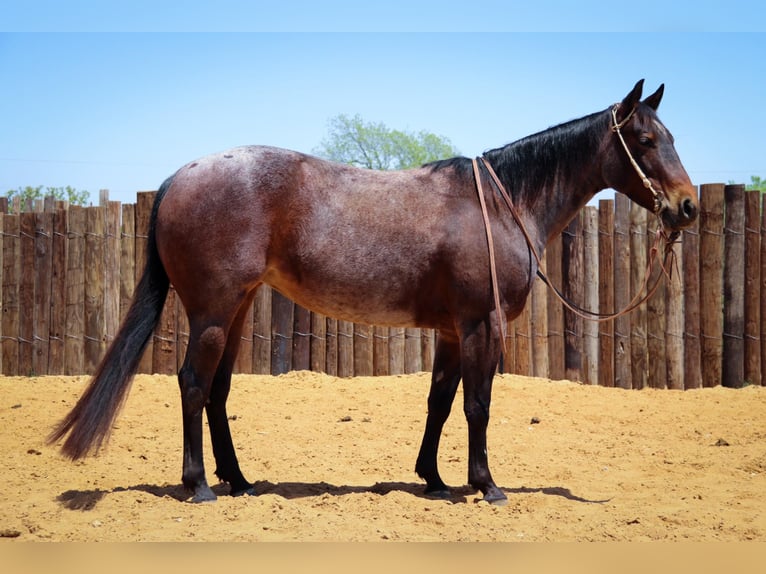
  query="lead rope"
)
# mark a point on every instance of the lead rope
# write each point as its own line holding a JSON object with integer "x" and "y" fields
{"x": 492, "y": 265}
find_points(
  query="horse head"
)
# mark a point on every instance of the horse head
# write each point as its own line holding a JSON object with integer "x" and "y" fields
{"x": 644, "y": 164}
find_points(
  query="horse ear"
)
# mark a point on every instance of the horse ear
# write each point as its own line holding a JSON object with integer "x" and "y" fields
{"x": 654, "y": 100}
{"x": 630, "y": 102}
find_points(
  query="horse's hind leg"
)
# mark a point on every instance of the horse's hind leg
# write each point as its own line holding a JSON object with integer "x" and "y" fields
{"x": 207, "y": 341}
{"x": 227, "y": 466}
{"x": 444, "y": 382}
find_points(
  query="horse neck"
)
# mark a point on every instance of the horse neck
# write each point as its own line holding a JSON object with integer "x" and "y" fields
{"x": 553, "y": 174}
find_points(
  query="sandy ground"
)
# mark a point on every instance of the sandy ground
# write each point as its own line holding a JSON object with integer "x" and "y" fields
{"x": 333, "y": 460}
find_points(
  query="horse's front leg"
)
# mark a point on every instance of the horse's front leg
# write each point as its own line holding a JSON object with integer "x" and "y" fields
{"x": 480, "y": 352}
{"x": 444, "y": 382}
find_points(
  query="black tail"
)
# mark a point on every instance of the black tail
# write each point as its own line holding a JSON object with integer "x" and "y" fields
{"x": 90, "y": 421}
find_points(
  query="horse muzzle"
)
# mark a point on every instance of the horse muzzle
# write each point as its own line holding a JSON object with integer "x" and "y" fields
{"x": 680, "y": 215}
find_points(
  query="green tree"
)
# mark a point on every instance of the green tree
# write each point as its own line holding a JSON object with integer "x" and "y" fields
{"x": 29, "y": 194}
{"x": 756, "y": 183}
{"x": 372, "y": 145}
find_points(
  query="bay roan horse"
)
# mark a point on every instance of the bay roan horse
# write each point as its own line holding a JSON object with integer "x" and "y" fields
{"x": 406, "y": 248}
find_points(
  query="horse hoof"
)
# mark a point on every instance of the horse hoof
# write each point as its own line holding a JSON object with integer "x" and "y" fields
{"x": 495, "y": 497}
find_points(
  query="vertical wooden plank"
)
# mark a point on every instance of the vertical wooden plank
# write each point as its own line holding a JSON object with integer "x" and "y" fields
{"x": 675, "y": 306}
{"x": 606, "y": 291}
{"x": 396, "y": 351}
{"x": 413, "y": 360}
{"x": 711, "y": 282}
{"x": 261, "y": 328}
{"x": 555, "y": 311}
{"x": 762, "y": 290}
{"x": 752, "y": 286}
{"x": 427, "y": 343}
{"x": 182, "y": 334}
{"x": 26, "y": 293}
{"x": 112, "y": 249}
{"x": 281, "y": 333}
{"x": 508, "y": 358}
{"x": 164, "y": 344}
{"x": 58, "y": 294}
{"x": 520, "y": 330}
{"x": 691, "y": 275}
{"x": 144, "y": 203}
{"x": 244, "y": 361}
{"x": 733, "y": 371}
{"x": 656, "y": 327}
{"x": 345, "y": 330}
{"x": 318, "y": 343}
{"x": 331, "y": 350}
{"x": 539, "y": 324}
{"x": 363, "y": 346}
{"x": 380, "y": 351}
{"x": 639, "y": 369}
{"x": 301, "y": 339}
{"x": 74, "y": 341}
{"x": 3, "y": 208}
{"x": 43, "y": 274}
{"x": 571, "y": 264}
{"x": 127, "y": 257}
{"x": 95, "y": 333}
{"x": 590, "y": 294}
{"x": 11, "y": 278}
{"x": 622, "y": 353}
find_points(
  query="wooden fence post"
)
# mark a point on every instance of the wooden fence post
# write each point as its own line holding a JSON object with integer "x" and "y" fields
{"x": 144, "y": 203}
{"x": 656, "y": 327}
{"x": 733, "y": 368}
{"x": 95, "y": 334}
{"x": 345, "y": 349}
{"x": 58, "y": 293}
{"x": 11, "y": 276}
{"x": 752, "y": 286}
{"x": 74, "y": 340}
{"x": 571, "y": 265}
{"x": 691, "y": 274}
{"x": 556, "y": 369}
{"x": 261, "y": 329}
{"x": 590, "y": 293}
{"x": 331, "y": 349}
{"x": 622, "y": 373}
{"x": 675, "y": 305}
{"x": 301, "y": 339}
{"x": 606, "y": 291}
{"x": 711, "y": 282}
{"x": 363, "y": 347}
{"x": 396, "y": 350}
{"x": 639, "y": 368}
{"x": 43, "y": 274}
{"x": 539, "y": 325}
{"x": 281, "y": 333}
{"x": 318, "y": 343}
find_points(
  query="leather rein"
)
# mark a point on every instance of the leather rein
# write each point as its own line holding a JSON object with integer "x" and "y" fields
{"x": 665, "y": 265}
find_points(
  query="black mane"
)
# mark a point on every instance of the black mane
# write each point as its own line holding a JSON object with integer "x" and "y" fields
{"x": 531, "y": 163}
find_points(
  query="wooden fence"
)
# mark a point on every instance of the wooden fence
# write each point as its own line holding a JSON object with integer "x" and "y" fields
{"x": 68, "y": 274}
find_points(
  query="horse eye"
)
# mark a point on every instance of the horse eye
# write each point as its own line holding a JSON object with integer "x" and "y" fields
{"x": 646, "y": 141}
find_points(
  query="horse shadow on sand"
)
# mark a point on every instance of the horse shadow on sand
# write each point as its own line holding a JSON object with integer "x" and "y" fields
{"x": 85, "y": 500}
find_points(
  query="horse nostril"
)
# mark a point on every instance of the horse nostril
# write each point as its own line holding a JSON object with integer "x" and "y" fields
{"x": 688, "y": 209}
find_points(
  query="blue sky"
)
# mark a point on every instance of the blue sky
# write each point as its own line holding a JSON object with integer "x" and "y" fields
{"x": 119, "y": 100}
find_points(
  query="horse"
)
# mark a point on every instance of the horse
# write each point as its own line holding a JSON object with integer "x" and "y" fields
{"x": 399, "y": 248}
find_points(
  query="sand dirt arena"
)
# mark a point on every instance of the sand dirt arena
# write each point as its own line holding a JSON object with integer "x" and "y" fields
{"x": 332, "y": 460}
